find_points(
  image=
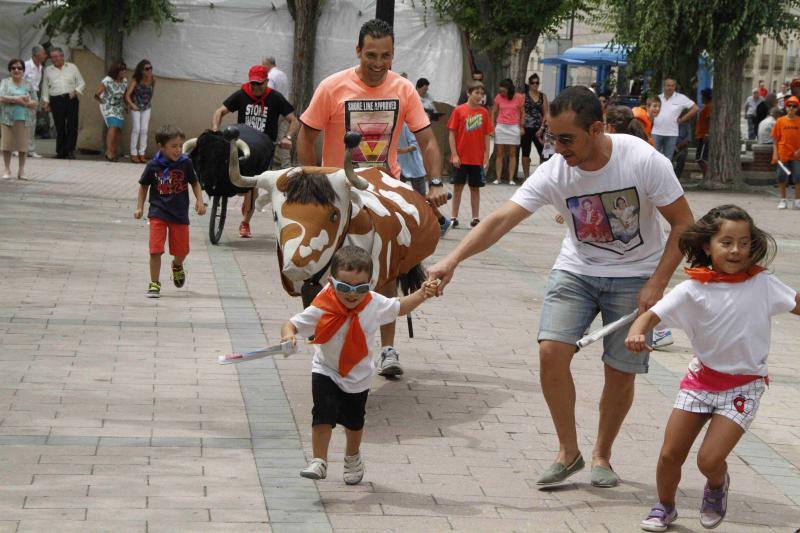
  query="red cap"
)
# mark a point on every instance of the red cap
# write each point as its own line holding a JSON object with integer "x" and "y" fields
{"x": 791, "y": 100}
{"x": 795, "y": 82}
{"x": 258, "y": 73}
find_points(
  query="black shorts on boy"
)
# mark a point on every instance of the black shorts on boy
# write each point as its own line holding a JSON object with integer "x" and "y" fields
{"x": 334, "y": 406}
{"x": 470, "y": 174}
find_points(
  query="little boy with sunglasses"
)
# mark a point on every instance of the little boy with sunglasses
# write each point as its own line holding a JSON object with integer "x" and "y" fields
{"x": 343, "y": 319}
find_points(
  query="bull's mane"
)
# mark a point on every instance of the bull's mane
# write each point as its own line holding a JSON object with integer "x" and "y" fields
{"x": 310, "y": 189}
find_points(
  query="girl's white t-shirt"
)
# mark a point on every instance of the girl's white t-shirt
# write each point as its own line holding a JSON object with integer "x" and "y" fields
{"x": 379, "y": 311}
{"x": 728, "y": 324}
{"x": 636, "y": 181}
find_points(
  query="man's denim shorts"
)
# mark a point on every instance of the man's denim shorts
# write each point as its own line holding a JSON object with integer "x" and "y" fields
{"x": 573, "y": 301}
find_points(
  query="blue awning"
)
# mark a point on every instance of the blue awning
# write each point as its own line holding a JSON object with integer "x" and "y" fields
{"x": 590, "y": 55}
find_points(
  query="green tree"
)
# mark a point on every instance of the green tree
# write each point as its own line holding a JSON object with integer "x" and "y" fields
{"x": 115, "y": 18}
{"x": 492, "y": 27}
{"x": 662, "y": 33}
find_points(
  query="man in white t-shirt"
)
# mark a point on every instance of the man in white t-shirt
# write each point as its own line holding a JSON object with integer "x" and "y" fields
{"x": 33, "y": 75}
{"x": 277, "y": 81}
{"x": 615, "y": 258}
{"x": 665, "y": 125}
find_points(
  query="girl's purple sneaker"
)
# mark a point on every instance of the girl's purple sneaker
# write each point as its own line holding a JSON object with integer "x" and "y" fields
{"x": 715, "y": 504}
{"x": 660, "y": 518}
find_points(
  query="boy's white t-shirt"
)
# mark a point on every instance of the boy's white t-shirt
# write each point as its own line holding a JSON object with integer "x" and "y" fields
{"x": 636, "y": 180}
{"x": 379, "y": 311}
{"x": 728, "y": 323}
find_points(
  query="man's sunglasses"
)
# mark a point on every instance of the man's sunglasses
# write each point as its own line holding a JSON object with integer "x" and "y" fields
{"x": 346, "y": 288}
{"x": 566, "y": 140}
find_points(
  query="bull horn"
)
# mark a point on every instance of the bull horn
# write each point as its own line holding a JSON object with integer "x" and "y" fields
{"x": 241, "y": 145}
{"x": 188, "y": 146}
{"x": 351, "y": 140}
{"x": 233, "y": 167}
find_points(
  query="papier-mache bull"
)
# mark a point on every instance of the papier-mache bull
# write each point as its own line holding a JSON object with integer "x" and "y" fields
{"x": 209, "y": 153}
{"x": 320, "y": 209}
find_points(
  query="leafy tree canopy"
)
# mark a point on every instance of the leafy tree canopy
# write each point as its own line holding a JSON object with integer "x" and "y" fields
{"x": 662, "y": 33}
{"x": 491, "y": 25}
{"x": 76, "y": 17}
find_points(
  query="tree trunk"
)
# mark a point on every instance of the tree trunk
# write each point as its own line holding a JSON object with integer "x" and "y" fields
{"x": 306, "y": 16}
{"x": 114, "y": 32}
{"x": 520, "y": 62}
{"x": 725, "y": 159}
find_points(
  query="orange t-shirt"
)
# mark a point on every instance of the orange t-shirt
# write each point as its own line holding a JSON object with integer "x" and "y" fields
{"x": 470, "y": 126}
{"x": 342, "y": 102}
{"x": 703, "y": 122}
{"x": 787, "y": 138}
{"x": 640, "y": 114}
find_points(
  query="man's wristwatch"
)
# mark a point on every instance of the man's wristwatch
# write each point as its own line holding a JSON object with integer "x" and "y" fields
{"x": 288, "y": 137}
{"x": 436, "y": 182}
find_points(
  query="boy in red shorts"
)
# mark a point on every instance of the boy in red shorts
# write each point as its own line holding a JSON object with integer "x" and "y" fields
{"x": 168, "y": 176}
{"x": 470, "y": 128}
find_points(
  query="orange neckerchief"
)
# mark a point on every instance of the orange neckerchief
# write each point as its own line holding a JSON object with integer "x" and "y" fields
{"x": 704, "y": 274}
{"x": 354, "y": 348}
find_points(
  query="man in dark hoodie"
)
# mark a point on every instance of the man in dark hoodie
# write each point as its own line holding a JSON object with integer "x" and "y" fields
{"x": 259, "y": 107}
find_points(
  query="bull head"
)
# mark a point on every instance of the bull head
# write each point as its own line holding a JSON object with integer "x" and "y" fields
{"x": 310, "y": 219}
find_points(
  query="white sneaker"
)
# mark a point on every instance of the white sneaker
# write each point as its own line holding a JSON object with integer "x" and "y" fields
{"x": 783, "y": 204}
{"x": 797, "y": 204}
{"x": 316, "y": 469}
{"x": 661, "y": 338}
{"x": 353, "y": 469}
{"x": 390, "y": 363}
{"x": 34, "y": 155}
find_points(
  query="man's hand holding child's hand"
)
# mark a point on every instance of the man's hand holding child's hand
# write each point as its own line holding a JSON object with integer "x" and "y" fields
{"x": 200, "y": 207}
{"x": 429, "y": 288}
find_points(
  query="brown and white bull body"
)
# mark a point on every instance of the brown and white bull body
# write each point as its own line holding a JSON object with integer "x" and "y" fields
{"x": 317, "y": 210}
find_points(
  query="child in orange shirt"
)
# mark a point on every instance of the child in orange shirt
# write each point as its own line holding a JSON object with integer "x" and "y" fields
{"x": 646, "y": 115}
{"x": 786, "y": 150}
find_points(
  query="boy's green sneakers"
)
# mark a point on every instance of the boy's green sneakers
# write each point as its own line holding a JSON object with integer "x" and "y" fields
{"x": 154, "y": 290}
{"x": 178, "y": 275}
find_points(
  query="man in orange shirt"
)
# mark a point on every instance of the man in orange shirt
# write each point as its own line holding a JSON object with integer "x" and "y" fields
{"x": 786, "y": 151}
{"x": 374, "y": 101}
{"x": 701, "y": 131}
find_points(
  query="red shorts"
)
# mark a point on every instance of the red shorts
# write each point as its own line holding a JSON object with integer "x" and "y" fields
{"x": 178, "y": 237}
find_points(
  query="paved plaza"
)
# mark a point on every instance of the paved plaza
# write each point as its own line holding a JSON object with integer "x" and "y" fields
{"x": 116, "y": 417}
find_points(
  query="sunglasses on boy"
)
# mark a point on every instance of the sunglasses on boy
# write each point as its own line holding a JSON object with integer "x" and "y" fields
{"x": 346, "y": 288}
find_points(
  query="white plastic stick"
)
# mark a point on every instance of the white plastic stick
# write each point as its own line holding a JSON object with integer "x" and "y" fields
{"x": 599, "y": 333}
{"x": 285, "y": 348}
{"x": 784, "y": 169}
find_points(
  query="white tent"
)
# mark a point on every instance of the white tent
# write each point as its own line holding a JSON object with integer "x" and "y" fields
{"x": 219, "y": 40}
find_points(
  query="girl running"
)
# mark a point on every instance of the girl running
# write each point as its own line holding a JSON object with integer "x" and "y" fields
{"x": 725, "y": 309}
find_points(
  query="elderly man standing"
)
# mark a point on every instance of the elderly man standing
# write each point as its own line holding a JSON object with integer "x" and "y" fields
{"x": 61, "y": 84}
{"x": 277, "y": 81}
{"x": 602, "y": 268}
{"x": 33, "y": 75}
{"x": 665, "y": 125}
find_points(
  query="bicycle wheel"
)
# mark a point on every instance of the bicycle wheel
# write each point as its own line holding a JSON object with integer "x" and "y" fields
{"x": 219, "y": 209}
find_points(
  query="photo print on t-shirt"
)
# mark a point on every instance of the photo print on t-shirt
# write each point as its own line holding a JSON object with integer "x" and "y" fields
{"x": 607, "y": 220}
{"x": 375, "y": 121}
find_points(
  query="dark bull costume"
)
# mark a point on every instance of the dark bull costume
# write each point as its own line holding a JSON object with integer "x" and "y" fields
{"x": 210, "y": 152}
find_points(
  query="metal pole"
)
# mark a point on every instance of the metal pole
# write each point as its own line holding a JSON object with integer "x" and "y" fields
{"x": 384, "y": 10}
